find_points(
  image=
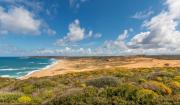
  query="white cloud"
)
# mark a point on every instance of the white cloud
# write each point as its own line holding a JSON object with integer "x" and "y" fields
{"x": 98, "y": 35}
{"x": 21, "y": 17}
{"x": 76, "y": 33}
{"x": 162, "y": 29}
{"x": 143, "y": 14}
{"x": 66, "y": 51}
{"x": 173, "y": 6}
{"x": 35, "y": 5}
{"x": 18, "y": 20}
{"x": 119, "y": 43}
{"x": 76, "y": 3}
{"x": 161, "y": 37}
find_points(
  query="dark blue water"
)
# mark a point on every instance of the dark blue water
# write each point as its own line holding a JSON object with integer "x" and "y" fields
{"x": 15, "y": 67}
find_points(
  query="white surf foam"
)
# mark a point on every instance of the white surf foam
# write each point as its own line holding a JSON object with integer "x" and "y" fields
{"x": 54, "y": 62}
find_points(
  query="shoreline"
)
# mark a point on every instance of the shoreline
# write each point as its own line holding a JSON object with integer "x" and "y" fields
{"x": 44, "y": 68}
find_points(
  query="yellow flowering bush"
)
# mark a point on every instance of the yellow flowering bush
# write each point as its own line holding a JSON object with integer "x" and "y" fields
{"x": 177, "y": 78}
{"x": 157, "y": 87}
{"x": 24, "y": 99}
{"x": 175, "y": 85}
{"x": 145, "y": 96}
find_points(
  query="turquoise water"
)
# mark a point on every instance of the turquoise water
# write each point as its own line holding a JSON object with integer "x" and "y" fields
{"x": 15, "y": 67}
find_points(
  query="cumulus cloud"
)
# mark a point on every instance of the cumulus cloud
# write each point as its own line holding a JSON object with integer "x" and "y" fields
{"x": 119, "y": 43}
{"x": 18, "y": 20}
{"x": 162, "y": 29}
{"x": 76, "y": 33}
{"x": 21, "y": 17}
{"x": 162, "y": 36}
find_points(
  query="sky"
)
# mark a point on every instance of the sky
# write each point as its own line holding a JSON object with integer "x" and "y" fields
{"x": 89, "y": 27}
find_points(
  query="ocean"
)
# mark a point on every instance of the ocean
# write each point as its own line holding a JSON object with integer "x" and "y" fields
{"x": 16, "y": 67}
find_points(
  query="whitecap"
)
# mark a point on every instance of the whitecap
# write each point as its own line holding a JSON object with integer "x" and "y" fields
{"x": 8, "y": 69}
{"x": 43, "y": 63}
{"x": 5, "y": 76}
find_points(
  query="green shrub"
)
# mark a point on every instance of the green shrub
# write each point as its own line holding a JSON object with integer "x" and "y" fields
{"x": 177, "y": 78}
{"x": 90, "y": 91}
{"x": 141, "y": 80}
{"x": 28, "y": 89}
{"x": 9, "y": 97}
{"x": 83, "y": 85}
{"x": 175, "y": 85}
{"x": 167, "y": 100}
{"x": 24, "y": 86}
{"x": 127, "y": 91}
{"x": 157, "y": 87}
{"x": 24, "y": 99}
{"x": 145, "y": 96}
{"x": 119, "y": 101}
{"x": 104, "y": 82}
{"x": 124, "y": 74}
{"x": 45, "y": 83}
{"x": 46, "y": 94}
{"x": 160, "y": 76}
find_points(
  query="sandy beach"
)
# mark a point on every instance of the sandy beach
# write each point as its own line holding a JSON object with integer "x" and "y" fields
{"x": 64, "y": 66}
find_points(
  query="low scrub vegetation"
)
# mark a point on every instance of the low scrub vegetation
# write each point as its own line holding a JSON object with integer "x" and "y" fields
{"x": 115, "y": 86}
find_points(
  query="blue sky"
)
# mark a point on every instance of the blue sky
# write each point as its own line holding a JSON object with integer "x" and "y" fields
{"x": 89, "y": 27}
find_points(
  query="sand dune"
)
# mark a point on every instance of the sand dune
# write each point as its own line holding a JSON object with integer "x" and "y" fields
{"x": 89, "y": 64}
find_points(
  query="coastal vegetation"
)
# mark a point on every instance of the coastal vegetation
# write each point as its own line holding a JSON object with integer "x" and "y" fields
{"x": 112, "y": 86}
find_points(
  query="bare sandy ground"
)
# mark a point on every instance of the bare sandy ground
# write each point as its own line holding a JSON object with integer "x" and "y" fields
{"x": 89, "y": 64}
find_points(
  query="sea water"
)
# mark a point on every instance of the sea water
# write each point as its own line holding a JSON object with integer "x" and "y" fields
{"x": 16, "y": 67}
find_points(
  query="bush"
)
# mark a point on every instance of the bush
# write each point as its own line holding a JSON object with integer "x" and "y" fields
{"x": 145, "y": 96}
{"x": 124, "y": 74}
{"x": 159, "y": 75}
{"x": 90, "y": 92}
{"x": 44, "y": 83}
{"x": 9, "y": 97}
{"x": 177, "y": 78}
{"x": 141, "y": 80}
{"x": 24, "y": 99}
{"x": 127, "y": 91}
{"x": 28, "y": 89}
{"x": 175, "y": 86}
{"x": 157, "y": 87}
{"x": 119, "y": 101}
{"x": 104, "y": 82}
